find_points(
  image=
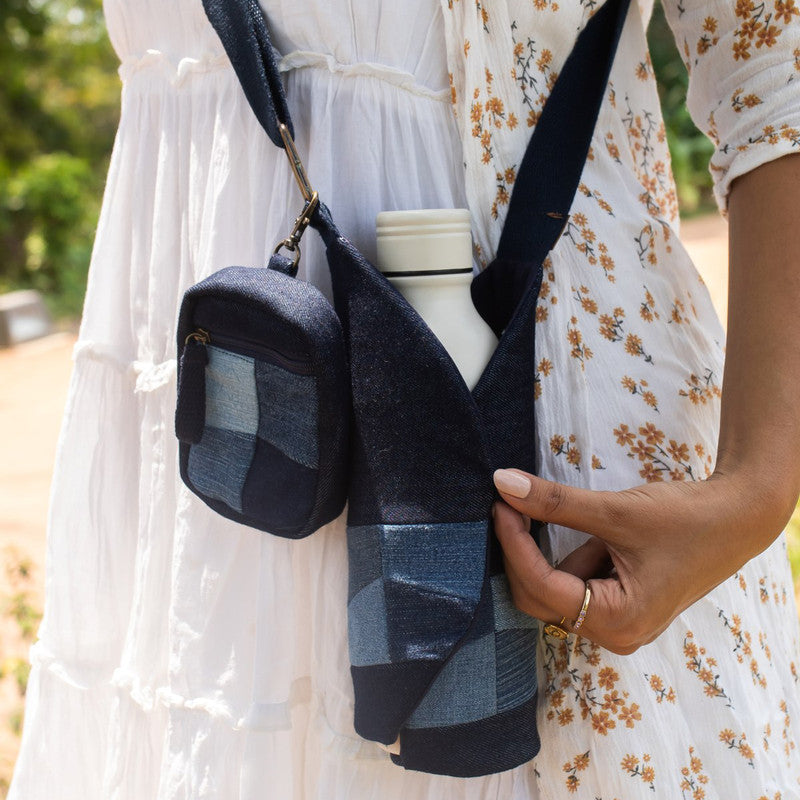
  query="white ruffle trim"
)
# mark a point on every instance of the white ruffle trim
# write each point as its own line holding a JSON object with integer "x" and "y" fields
{"x": 176, "y": 71}
{"x": 305, "y": 59}
{"x": 147, "y": 376}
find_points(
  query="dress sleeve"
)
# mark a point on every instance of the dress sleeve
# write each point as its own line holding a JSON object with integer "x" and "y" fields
{"x": 743, "y": 59}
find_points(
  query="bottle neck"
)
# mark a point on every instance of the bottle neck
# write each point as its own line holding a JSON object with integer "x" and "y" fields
{"x": 431, "y": 240}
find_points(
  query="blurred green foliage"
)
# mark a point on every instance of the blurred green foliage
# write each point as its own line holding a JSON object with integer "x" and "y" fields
{"x": 59, "y": 101}
{"x": 59, "y": 106}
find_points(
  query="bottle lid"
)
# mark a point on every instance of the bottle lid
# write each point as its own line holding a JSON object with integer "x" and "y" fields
{"x": 432, "y": 240}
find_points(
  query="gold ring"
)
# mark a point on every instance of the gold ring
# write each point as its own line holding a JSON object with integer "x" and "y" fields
{"x": 556, "y": 630}
{"x": 584, "y": 608}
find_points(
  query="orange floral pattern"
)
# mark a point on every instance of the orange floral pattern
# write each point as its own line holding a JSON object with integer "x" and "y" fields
{"x": 640, "y": 387}
{"x": 572, "y": 768}
{"x": 693, "y": 779}
{"x": 663, "y": 693}
{"x": 639, "y": 768}
{"x": 701, "y": 389}
{"x": 741, "y": 33}
{"x": 704, "y": 667}
{"x": 660, "y": 457}
{"x": 589, "y": 694}
{"x": 566, "y": 446}
{"x": 743, "y": 649}
{"x": 585, "y": 240}
{"x": 738, "y": 743}
{"x": 580, "y": 350}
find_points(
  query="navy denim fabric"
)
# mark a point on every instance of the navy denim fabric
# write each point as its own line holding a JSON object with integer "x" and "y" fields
{"x": 288, "y": 409}
{"x": 240, "y": 26}
{"x": 218, "y": 465}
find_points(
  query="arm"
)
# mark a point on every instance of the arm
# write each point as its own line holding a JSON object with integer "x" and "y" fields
{"x": 760, "y": 416}
{"x": 670, "y": 544}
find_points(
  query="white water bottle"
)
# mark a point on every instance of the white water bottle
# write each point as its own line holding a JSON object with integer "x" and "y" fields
{"x": 427, "y": 256}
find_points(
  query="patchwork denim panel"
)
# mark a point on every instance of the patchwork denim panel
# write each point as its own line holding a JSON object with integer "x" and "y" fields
{"x": 278, "y": 489}
{"x": 424, "y": 625}
{"x": 506, "y": 615}
{"x": 483, "y": 621}
{"x": 219, "y": 462}
{"x": 516, "y": 667}
{"x": 363, "y": 557}
{"x": 288, "y": 412}
{"x": 368, "y": 638}
{"x": 433, "y": 574}
{"x": 231, "y": 400}
{"x": 464, "y": 691}
{"x": 443, "y": 557}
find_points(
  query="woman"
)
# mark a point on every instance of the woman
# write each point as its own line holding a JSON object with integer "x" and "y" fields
{"x": 184, "y": 656}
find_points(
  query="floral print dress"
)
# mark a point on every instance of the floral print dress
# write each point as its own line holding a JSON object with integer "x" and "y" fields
{"x": 184, "y": 656}
{"x": 630, "y": 357}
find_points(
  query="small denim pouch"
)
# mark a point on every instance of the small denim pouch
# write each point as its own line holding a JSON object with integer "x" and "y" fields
{"x": 263, "y": 399}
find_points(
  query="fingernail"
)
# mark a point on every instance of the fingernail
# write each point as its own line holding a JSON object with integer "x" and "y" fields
{"x": 511, "y": 483}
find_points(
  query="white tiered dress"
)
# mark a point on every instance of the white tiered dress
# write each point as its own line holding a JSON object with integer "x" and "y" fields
{"x": 183, "y": 656}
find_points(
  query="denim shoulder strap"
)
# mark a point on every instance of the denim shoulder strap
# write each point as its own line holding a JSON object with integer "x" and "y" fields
{"x": 243, "y": 32}
{"x": 551, "y": 169}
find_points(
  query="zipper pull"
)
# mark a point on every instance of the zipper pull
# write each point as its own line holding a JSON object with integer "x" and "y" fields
{"x": 190, "y": 413}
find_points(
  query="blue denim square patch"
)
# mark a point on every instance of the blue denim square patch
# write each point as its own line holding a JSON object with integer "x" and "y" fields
{"x": 219, "y": 462}
{"x": 288, "y": 412}
{"x": 464, "y": 691}
{"x": 231, "y": 400}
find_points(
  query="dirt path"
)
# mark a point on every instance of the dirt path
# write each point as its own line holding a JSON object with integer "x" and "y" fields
{"x": 33, "y": 389}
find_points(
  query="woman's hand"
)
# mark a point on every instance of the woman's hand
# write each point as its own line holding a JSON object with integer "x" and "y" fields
{"x": 655, "y": 550}
{"x": 659, "y": 547}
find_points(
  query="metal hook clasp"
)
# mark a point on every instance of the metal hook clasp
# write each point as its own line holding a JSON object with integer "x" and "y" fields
{"x": 292, "y": 241}
{"x": 296, "y": 164}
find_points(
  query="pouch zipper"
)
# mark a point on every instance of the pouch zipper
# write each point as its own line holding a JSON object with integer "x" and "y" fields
{"x": 245, "y": 347}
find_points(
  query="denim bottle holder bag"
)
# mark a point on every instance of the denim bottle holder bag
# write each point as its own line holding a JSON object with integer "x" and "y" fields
{"x": 443, "y": 665}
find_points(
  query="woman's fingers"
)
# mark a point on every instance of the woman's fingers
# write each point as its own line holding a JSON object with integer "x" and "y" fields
{"x": 550, "y": 594}
{"x": 538, "y": 589}
{"x": 590, "y": 560}
{"x": 599, "y": 513}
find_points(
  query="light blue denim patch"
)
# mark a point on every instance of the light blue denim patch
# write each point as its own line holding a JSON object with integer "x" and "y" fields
{"x": 219, "y": 462}
{"x": 368, "y": 638}
{"x": 516, "y": 667}
{"x": 464, "y": 691}
{"x": 444, "y": 557}
{"x": 288, "y": 412}
{"x": 231, "y": 399}
{"x": 506, "y": 614}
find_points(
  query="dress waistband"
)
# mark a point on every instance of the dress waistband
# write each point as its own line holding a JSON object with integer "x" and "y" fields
{"x": 178, "y": 71}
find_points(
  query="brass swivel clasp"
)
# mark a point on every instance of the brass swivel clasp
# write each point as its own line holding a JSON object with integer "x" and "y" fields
{"x": 311, "y": 198}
